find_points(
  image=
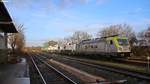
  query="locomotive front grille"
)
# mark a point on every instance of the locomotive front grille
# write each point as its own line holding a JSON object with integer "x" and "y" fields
{"x": 125, "y": 49}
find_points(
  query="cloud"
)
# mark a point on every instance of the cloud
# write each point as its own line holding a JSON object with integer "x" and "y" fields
{"x": 100, "y": 2}
{"x": 68, "y": 3}
{"x": 138, "y": 25}
{"x": 134, "y": 11}
{"x": 49, "y": 5}
{"x": 20, "y": 3}
{"x": 84, "y": 1}
{"x": 65, "y": 3}
{"x": 91, "y": 28}
{"x": 147, "y": 20}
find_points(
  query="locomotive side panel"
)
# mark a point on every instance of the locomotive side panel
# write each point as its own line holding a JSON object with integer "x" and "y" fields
{"x": 101, "y": 47}
{"x": 111, "y": 46}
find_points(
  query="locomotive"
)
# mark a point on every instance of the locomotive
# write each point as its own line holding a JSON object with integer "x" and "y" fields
{"x": 116, "y": 46}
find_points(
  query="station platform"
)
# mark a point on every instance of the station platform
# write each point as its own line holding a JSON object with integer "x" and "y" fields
{"x": 15, "y": 73}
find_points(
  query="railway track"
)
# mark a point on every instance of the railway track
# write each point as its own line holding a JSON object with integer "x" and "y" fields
{"x": 106, "y": 81}
{"x": 121, "y": 71}
{"x": 133, "y": 62}
{"x": 128, "y": 61}
{"x": 125, "y": 72}
{"x": 49, "y": 74}
{"x": 85, "y": 78}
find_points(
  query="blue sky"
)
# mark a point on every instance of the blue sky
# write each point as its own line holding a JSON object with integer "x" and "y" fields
{"x": 54, "y": 19}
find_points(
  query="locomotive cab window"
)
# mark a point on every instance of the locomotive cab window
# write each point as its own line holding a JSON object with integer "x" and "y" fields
{"x": 123, "y": 41}
{"x": 111, "y": 42}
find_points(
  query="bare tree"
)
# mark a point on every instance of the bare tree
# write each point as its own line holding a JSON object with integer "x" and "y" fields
{"x": 17, "y": 40}
{"x": 119, "y": 29}
{"x": 144, "y": 36}
{"x": 21, "y": 38}
{"x": 114, "y": 30}
{"x": 78, "y": 36}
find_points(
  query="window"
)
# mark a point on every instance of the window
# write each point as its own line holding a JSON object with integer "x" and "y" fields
{"x": 95, "y": 46}
{"x": 64, "y": 47}
{"x": 111, "y": 42}
{"x": 91, "y": 46}
{"x": 123, "y": 42}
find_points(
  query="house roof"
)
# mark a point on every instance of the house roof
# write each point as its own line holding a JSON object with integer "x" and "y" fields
{"x": 6, "y": 23}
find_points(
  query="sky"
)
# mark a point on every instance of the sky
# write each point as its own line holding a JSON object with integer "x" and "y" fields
{"x": 54, "y": 19}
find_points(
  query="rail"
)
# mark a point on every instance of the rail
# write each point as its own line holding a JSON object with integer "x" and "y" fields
{"x": 56, "y": 70}
{"x": 38, "y": 71}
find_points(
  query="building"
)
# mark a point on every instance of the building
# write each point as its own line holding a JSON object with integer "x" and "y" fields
{"x": 52, "y": 48}
{"x": 6, "y": 26}
{"x": 145, "y": 39}
{"x": 2, "y": 42}
{"x": 67, "y": 46}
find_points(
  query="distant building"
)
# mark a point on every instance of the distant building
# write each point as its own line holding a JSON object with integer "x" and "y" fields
{"x": 55, "y": 47}
{"x": 147, "y": 37}
{"x": 145, "y": 40}
{"x": 51, "y": 48}
{"x": 67, "y": 46}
